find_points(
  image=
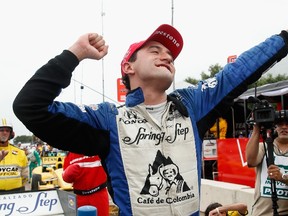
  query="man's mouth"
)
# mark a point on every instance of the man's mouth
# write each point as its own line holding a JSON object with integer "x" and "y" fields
{"x": 164, "y": 66}
{"x": 284, "y": 132}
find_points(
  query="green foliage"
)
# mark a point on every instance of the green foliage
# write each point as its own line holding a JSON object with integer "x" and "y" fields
{"x": 269, "y": 79}
{"x": 191, "y": 80}
{"x": 22, "y": 139}
{"x": 27, "y": 139}
{"x": 213, "y": 69}
{"x": 204, "y": 76}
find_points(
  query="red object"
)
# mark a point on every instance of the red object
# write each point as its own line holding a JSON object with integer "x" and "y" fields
{"x": 232, "y": 164}
{"x": 231, "y": 58}
{"x": 279, "y": 106}
{"x": 164, "y": 34}
{"x": 121, "y": 91}
{"x": 86, "y": 173}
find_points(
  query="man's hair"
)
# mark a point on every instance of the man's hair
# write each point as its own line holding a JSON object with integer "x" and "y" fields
{"x": 211, "y": 207}
{"x": 125, "y": 79}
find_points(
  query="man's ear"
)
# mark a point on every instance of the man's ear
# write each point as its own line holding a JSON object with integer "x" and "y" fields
{"x": 12, "y": 135}
{"x": 128, "y": 68}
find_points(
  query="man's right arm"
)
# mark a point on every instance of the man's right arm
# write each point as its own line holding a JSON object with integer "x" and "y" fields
{"x": 252, "y": 147}
{"x": 91, "y": 45}
{"x": 63, "y": 125}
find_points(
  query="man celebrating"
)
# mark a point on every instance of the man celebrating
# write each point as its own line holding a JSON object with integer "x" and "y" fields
{"x": 13, "y": 163}
{"x": 153, "y": 130}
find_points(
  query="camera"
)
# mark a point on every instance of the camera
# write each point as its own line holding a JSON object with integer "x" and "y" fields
{"x": 264, "y": 113}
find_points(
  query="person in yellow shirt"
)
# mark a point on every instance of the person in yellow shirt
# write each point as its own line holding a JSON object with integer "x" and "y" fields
{"x": 222, "y": 129}
{"x": 13, "y": 161}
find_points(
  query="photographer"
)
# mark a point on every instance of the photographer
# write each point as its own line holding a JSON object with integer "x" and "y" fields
{"x": 256, "y": 155}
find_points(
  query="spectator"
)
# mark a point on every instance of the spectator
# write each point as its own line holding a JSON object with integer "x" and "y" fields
{"x": 45, "y": 150}
{"x": 221, "y": 128}
{"x": 89, "y": 181}
{"x": 34, "y": 160}
{"x": 39, "y": 148}
{"x": 13, "y": 161}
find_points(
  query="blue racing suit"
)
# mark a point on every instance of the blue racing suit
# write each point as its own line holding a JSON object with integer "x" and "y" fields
{"x": 154, "y": 167}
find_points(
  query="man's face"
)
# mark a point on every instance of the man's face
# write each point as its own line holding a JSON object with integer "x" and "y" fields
{"x": 282, "y": 129}
{"x": 154, "y": 65}
{"x": 5, "y": 134}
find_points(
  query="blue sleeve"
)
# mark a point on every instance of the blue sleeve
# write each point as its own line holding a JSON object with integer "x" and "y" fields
{"x": 214, "y": 96}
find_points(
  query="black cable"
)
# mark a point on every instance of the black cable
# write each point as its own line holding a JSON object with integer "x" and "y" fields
{"x": 82, "y": 85}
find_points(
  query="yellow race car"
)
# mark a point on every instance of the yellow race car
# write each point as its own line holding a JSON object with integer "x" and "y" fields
{"x": 49, "y": 174}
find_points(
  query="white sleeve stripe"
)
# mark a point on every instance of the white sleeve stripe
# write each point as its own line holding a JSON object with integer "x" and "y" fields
{"x": 90, "y": 164}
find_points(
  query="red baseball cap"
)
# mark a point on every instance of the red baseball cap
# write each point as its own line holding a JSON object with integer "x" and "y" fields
{"x": 164, "y": 34}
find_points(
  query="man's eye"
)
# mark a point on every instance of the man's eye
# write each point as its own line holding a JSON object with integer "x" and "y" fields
{"x": 154, "y": 51}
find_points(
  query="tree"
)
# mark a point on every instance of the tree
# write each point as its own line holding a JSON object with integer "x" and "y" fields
{"x": 269, "y": 79}
{"x": 213, "y": 69}
{"x": 191, "y": 80}
{"x": 27, "y": 139}
{"x": 22, "y": 139}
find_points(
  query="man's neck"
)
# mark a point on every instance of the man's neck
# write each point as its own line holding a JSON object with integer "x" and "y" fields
{"x": 154, "y": 98}
{"x": 4, "y": 144}
{"x": 153, "y": 95}
{"x": 282, "y": 141}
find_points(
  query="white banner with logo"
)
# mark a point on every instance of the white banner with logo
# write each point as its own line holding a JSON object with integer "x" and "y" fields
{"x": 36, "y": 203}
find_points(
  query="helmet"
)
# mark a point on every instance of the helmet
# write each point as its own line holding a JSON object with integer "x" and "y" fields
{"x": 6, "y": 123}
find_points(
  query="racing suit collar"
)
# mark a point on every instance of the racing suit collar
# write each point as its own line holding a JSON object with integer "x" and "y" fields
{"x": 178, "y": 105}
{"x": 134, "y": 97}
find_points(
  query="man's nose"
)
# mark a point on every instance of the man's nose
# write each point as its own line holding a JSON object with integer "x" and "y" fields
{"x": 167, "y": 56}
